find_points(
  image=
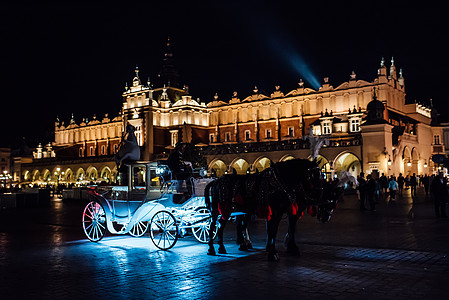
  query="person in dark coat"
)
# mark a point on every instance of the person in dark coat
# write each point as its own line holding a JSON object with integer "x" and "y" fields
{"x": 439, "y": 193}
{"x": 401, "y": 180}
{"x": 181, "y": 166}
{"x": 413, "y": 184}
{"x": 362, "y": 190}
{"x": 371, "y": 191}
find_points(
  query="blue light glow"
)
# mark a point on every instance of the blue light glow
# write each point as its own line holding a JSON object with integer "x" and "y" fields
{"x": 293, "y": 58}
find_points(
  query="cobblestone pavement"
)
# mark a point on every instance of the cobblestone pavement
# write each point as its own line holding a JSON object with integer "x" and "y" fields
{"x": 397, "y": 252}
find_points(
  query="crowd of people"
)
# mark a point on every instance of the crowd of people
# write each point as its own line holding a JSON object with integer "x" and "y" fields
{"x": 373, "y": 188}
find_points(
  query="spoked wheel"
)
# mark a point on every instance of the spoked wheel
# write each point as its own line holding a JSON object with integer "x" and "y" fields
{"x": 201, "y": 226}
{"x": 163, "y": 230}
{"x": 139, "y": 229}
{"x": 94, "y": 221}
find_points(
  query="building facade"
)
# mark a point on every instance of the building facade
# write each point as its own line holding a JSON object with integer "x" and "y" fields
{"x": 368, "y": 124}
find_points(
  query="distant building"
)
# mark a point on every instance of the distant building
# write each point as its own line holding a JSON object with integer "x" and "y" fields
{"x": 368, "y": 124}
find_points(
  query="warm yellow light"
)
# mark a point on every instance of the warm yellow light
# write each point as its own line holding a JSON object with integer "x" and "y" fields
{"x": 389, "y": 162}
{"x": 409, "y": 164}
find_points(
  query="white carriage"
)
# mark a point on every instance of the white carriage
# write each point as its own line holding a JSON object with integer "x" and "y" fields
{"x": 151, "y": 202}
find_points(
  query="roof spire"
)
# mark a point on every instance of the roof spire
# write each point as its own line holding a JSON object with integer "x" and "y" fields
{"x": 393, "y": 69}
{"x": 136, "y": 79}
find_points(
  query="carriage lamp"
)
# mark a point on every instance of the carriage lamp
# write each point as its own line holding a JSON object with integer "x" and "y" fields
{"x": 425, "y": 164}
{"x": 389, "y": 161}
{"x": 203, "y": 172}
{"x": 409, "y": 164}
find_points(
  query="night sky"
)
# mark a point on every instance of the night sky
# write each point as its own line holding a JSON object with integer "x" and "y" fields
{"x": 59, "y": 58}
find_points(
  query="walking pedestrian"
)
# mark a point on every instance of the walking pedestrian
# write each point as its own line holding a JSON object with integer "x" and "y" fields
{"x": 439, "y": 193}
{"x": 392, "y": 187}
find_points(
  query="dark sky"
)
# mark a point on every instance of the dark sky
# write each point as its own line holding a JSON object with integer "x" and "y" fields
{"x": 60, "y": 58}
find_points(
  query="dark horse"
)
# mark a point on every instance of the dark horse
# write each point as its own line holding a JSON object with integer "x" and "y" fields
{"x": 288, "y": 187}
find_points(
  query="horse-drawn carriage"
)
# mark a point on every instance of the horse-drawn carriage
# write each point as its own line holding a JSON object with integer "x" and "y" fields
{"x": 151, "y": 201}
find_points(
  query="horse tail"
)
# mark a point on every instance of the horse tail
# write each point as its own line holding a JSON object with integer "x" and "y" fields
{"x": 207, "y": 193}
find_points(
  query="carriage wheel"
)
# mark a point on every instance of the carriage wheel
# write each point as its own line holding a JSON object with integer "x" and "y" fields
{"x": 163, "y": 230}
{"x": 139, "y": 229}
{"x": 201, "y": 229}
{"x": 94, "y": 221}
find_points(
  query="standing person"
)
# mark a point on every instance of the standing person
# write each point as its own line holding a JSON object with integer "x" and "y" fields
{"x": 371, "y": 191}
{"x": 439, "y": 193}
{"x": 400, "y": 183}
{"x": 383, "y": 180}
{"x": 393, "y": 187}
{"x": 362, "y": 190}
{"x": 426, "y": 181}
{"x": 413, "y": 184}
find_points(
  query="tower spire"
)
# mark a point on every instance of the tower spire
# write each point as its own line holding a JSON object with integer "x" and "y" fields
{"x": 168, "y": 73}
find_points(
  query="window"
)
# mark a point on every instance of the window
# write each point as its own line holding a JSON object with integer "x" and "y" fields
{"x": 327, "y": 127}
{"x": 103, "y": 150}
{"x": 211, "y": 138}
{"x": 247, "y": 135}
{"x": 228, "y": 136}
{"x": 115, "y": 148}
{"x": 436, "y": 139}
{"x": 268, "y": 133}
{"x": 91, "y": 150}
{"x": 174, "y": 137}
{"x": 81, "y": 152}
{"x": 291, "y": 131}
{"x": 355, "y": 125}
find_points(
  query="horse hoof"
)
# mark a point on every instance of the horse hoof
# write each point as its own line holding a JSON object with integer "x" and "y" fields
{"x": 211, "y": 251}
{"x": 273, "y": 257}
{"x": 249, "y": 246}
{"x": 243, "y": 247}
{"x": 222, "y": 250}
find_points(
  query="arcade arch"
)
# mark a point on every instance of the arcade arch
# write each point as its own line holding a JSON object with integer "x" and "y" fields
{"x": 46, "y": 176}
{"x": 407, "y": 161}
{"x": 261, "y": 164}
{"x": 415, "y": 161}
{"x": 106, "y": 174}
{"x": 92, "y": 173}
{"x": 36, "y": 175}
{"x": 68, "y": 175}
{"x": 240, "y": 166}
{"x": 80, "y": 174}
{"x": 287, "y": 157}
{"x": 349, "y": 162}
{"x": 217, "y": 167}
{"x": 325, "y": 166}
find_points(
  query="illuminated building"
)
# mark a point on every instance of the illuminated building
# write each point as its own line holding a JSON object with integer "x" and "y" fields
{"x": 245, "y": 134}
{"x": 368, "y": 124}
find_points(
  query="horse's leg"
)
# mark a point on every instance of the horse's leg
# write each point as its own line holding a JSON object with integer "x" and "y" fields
{"x": 289, "y": 241}
{"x": 272, "y": 228}
{"x": 221, "y": 247}
{"x": 213, "y": 224}
{"x": 247, "y": 240}
{"x": 239, "y": 229}
{"x": 242, "y": 233}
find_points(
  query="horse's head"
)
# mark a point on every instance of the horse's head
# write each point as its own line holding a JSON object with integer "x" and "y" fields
{"x": 331, "y": 193}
